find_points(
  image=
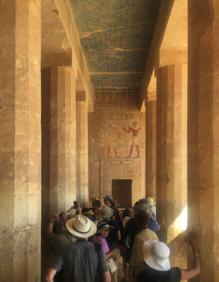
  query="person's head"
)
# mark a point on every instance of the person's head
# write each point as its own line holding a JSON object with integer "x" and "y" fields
{"x": 106, "y": 212}
{"x": 142, "y": 220}
{"x": 108, "y": 200}
{"x": 156, "y": 255}
{"x": 150, "y": 201}
{"x": 103, "y": 228}
{"x": 151, "y": 205}
{"x": 81, "y": 227}
{"x": 96, "y": 204}
{"x": 127, "y": 212}
{"x": 141, "y": 205}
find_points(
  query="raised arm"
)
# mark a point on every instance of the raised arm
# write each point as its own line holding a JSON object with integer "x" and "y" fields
{"x": 50, "y": 274}
{"x": 195, "y": 270}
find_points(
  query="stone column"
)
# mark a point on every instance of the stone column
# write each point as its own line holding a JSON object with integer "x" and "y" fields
{"x": 203, "y": 132}
{"x": 20, "y": 140}
{"x": 82, "y": 148}
{"x": 171, "y": 149}
{"x": 151, "y": 108}
{"x": 59, "y": 139}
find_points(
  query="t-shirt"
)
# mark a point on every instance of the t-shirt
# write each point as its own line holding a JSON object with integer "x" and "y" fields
{"x": 140, "y": 239}
{"x": 102, "y": 242}
{"x": 81, "y": 262}
{"x": 112, "y": 238}
{"x": 152, "y": 275}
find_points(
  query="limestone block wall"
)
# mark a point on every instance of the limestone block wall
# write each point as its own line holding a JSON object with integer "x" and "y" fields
{"x": 116, "y": 143}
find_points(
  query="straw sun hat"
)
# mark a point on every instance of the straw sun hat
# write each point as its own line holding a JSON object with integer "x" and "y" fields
{"x": 156, "y": 255}
{"x": 81, "y": 226}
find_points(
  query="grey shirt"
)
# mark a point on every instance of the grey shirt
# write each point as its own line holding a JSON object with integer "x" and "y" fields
{"x": 81, "y": 262}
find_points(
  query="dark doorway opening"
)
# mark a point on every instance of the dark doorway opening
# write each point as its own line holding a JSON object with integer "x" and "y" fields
{"x": 122, "y": 192}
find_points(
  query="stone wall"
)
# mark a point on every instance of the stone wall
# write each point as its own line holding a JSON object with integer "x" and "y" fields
{"x": 116, "y": 143}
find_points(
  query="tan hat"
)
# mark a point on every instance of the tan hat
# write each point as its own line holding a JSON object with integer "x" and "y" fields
{"x": 81, "y": 226}
{"x": 151, "y": 201}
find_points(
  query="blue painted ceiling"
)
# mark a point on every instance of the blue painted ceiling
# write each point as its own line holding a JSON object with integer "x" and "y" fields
{"x": 116, "y": 37}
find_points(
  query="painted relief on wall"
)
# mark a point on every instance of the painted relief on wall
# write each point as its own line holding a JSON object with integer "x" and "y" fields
{"x": 120, "y": 139}
{"x": 134, "y": 147}
{"x": 116, "y": 144}
{"x": 111, "y": 140}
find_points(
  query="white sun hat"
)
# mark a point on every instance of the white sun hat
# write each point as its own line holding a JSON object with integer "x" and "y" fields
{"x": 81, "y": 226}
{"x": 156, "y": 255}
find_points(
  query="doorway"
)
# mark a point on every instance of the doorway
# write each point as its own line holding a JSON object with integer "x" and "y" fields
{"x": 122, "y": 192}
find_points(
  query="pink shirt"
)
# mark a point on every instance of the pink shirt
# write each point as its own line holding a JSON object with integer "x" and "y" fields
{"x": 103, "y": 242}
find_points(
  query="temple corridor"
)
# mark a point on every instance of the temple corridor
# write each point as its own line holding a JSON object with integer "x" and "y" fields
{"x": 114, "y": 97}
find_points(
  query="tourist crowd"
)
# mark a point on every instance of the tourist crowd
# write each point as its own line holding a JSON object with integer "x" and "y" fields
{"x": 86, "y": 245}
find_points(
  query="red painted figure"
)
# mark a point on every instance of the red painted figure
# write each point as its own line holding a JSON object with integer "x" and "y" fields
{"x": 134, "y": 130}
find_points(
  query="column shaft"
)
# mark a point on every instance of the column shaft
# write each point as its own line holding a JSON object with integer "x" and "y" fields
{"x": 82, "y": 152}
{"x": 171, "y": 148}
{"x": 20, "y": 140}
{"x": 151, "y": 148}
{"x": 203, "y": 134}
{"x": 59, "y": 139}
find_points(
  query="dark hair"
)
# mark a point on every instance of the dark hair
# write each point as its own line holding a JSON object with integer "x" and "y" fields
{"x": 142, "y": 220}
{"x": 126, "y": 212}
{"x": 96, "y": 203}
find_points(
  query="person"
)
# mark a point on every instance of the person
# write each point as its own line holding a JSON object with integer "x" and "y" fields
{"x": 123, "y": 245}
{"x": 152, "y": 206}
{"x": 156, "y": 264}
{"x": 96, "y": 208}
{"x": 114, "y": 236}
{"x": 144, "y": 234}
{"x": 57, "y": 238}
{"x": 82, "y": 260}
{"x": 132, "y": 227}
{"x": 103, "y": 229}
{"x": 145, "y": 205}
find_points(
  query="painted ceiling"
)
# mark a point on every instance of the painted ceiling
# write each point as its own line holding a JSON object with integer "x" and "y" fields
{"x": 116, "y": 36}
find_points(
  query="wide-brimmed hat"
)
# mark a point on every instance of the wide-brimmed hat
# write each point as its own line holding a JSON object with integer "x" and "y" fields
{"x": 156, "y": 255}
{"x": 81, "y": 226}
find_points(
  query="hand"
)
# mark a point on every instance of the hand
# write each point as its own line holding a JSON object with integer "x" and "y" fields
{"x": 112, "y": 252}
{"x": 192, "y": 240}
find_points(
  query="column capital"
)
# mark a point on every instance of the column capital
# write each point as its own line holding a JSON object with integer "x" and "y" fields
{"x": 56, "y": 59}
{"x": 173, "y": 57}
{"x": 81, "y": 95}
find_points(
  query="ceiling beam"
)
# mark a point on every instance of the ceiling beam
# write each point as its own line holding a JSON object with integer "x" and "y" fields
{"x": 162, "y": 20}
{"x": 79, "y": 63}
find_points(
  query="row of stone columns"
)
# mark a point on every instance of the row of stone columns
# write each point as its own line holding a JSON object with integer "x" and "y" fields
{"x": 65, "y": 145}
{"x": 32, "y": 138}
{"x": 187, "y": 150}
